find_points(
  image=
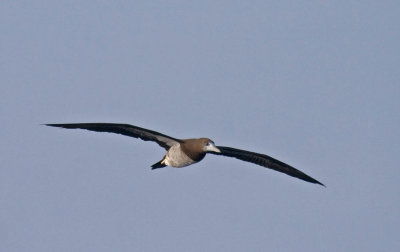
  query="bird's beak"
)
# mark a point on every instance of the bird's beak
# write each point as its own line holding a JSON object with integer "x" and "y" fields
{"x": 212, "y": 148}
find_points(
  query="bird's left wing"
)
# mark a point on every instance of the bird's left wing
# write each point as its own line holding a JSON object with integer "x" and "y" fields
{"x": 266, "y": 161}
{"x": 124, "y": 129}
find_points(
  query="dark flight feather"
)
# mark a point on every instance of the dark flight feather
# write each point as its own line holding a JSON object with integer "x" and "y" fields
{"x": 265, "y": 161}
{"x": 124, "y": 129}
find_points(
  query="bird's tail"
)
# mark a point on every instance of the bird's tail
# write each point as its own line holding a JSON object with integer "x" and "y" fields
{"x": 159, "y": 164}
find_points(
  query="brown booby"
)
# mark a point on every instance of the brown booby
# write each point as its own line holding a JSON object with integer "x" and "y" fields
{"x": 184, "y": 152}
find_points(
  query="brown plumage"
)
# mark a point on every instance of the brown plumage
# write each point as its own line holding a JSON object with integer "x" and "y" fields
{"x": 184, "y": 152}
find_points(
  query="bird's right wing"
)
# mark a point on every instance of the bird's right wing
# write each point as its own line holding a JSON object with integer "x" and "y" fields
{"x": 124, "y": 129}
{"x": 266, "y": 161}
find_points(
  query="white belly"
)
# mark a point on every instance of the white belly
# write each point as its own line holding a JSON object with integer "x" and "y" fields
{"x": 176, "y": 158}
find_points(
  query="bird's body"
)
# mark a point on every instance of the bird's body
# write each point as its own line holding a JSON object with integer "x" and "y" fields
{"x": 184, "y": 152}
{"x": 176, "y": 157}
{"x": 188, "y": 152}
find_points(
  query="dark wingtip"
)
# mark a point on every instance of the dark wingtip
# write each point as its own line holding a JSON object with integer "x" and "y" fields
{"x": 311, "y": 180}
{"x": 50, "y": 124}
{"x": 60, "y": 125}
{"x": 316, "y": 182}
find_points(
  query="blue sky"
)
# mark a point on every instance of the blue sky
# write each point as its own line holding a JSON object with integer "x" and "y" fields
{"x": 314, "y": 84}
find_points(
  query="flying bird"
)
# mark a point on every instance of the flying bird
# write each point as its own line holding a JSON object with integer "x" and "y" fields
{"x": 184, "y": 152}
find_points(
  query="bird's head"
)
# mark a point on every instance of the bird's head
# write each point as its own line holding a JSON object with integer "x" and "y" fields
{"x": 209, "y": 146}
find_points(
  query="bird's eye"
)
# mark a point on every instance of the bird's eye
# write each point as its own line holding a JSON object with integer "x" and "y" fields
{"x": 210, "y": 144}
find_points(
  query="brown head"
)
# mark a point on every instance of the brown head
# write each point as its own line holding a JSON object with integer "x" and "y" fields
{"x": 196, "y": 148}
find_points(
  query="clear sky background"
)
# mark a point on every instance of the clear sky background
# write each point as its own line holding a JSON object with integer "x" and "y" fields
{"x": 312, "y": 83}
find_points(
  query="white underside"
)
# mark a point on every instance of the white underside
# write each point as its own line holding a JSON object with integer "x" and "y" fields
{"x": 176, "y": 158}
